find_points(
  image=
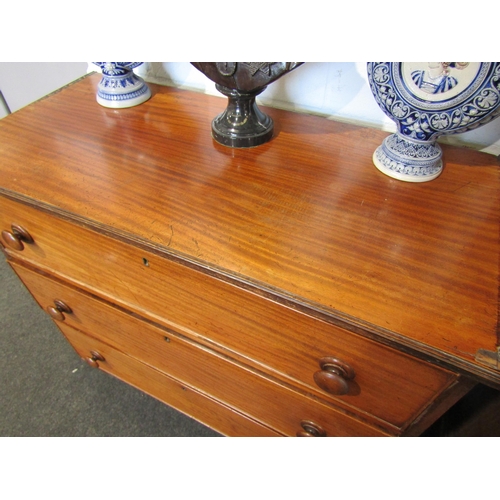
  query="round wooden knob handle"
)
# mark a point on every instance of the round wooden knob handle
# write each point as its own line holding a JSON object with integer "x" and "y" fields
{"x": 56, "y": 311}
{"x": 14, "y": 239}
{"x": 93, "y": 359}
{"x": 334, "y": 376}
{"x": 311, "y": 429}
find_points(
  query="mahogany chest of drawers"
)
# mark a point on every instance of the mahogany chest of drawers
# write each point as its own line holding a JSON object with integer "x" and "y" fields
{"x": 289, "y": 289}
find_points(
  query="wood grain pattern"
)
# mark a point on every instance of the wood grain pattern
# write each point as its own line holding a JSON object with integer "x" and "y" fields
{"x": 397, "y": 397}
{"x": 274, "y": 405}
{"x": 278, "y": 340}
{"x": 306, "y": 216}
{"x": 260, "y": 262}
{"x": 199, "y": 406}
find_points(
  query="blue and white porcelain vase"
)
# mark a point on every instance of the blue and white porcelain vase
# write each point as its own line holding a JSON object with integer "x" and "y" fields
{"x": 120, "y": 87}
{"x": 428, "y": 100}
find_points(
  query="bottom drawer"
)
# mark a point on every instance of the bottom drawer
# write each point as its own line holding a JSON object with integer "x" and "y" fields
{"x": 271, "y": 404}
{"x": 156, "y": 384}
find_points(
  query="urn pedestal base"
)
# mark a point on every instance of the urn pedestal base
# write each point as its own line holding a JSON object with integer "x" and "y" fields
{"x": 242, "y": 124}
{"x": 408, "y": 160}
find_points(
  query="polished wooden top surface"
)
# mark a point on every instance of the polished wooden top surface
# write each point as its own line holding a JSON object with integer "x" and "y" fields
{"x": 306, "y": 217}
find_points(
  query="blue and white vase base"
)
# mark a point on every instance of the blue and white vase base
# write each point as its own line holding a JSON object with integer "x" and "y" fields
{"x": 408, "y": 160}
{"x": 124, "y": 100}
{"x": 120, "y": 87}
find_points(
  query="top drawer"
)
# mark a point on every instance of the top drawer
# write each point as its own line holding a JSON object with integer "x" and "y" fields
{"x": 276, "y": 339}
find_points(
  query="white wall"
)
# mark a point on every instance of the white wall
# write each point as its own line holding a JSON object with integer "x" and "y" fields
{"x": 336, "y": 90}
{"x": 23, "y": 83}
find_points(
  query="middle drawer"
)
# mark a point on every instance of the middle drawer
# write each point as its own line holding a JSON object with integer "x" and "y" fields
{"x": 221, "y": 378}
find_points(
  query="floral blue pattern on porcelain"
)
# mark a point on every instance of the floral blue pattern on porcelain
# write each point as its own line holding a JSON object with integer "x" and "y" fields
{"x": 120, "y": 87}
{"x": 427, "y": 100}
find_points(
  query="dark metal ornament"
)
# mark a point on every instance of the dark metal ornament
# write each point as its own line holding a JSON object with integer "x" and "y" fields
{"x": 243, "y": 124}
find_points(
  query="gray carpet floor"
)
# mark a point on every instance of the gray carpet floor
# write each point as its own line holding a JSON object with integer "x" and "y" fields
{"x": 47, "y": 390}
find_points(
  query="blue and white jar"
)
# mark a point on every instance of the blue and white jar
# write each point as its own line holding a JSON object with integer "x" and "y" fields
{"x": 120, "y": 87}
{"x": 428, "y": 100}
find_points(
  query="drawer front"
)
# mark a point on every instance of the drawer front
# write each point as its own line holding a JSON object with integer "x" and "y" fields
{"x": 262, "y": 398}
{"x": 188, "y": 401}
{"x": 281, "y": 341}
{"x": 230, "y": 383}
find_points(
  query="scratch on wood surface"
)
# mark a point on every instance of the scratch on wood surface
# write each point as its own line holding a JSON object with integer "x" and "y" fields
{"x": 171, "y": 235}
{"x": 197, "y": 247}
{"x": 125, "y": 285}
{"x": 461, "y": 187}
